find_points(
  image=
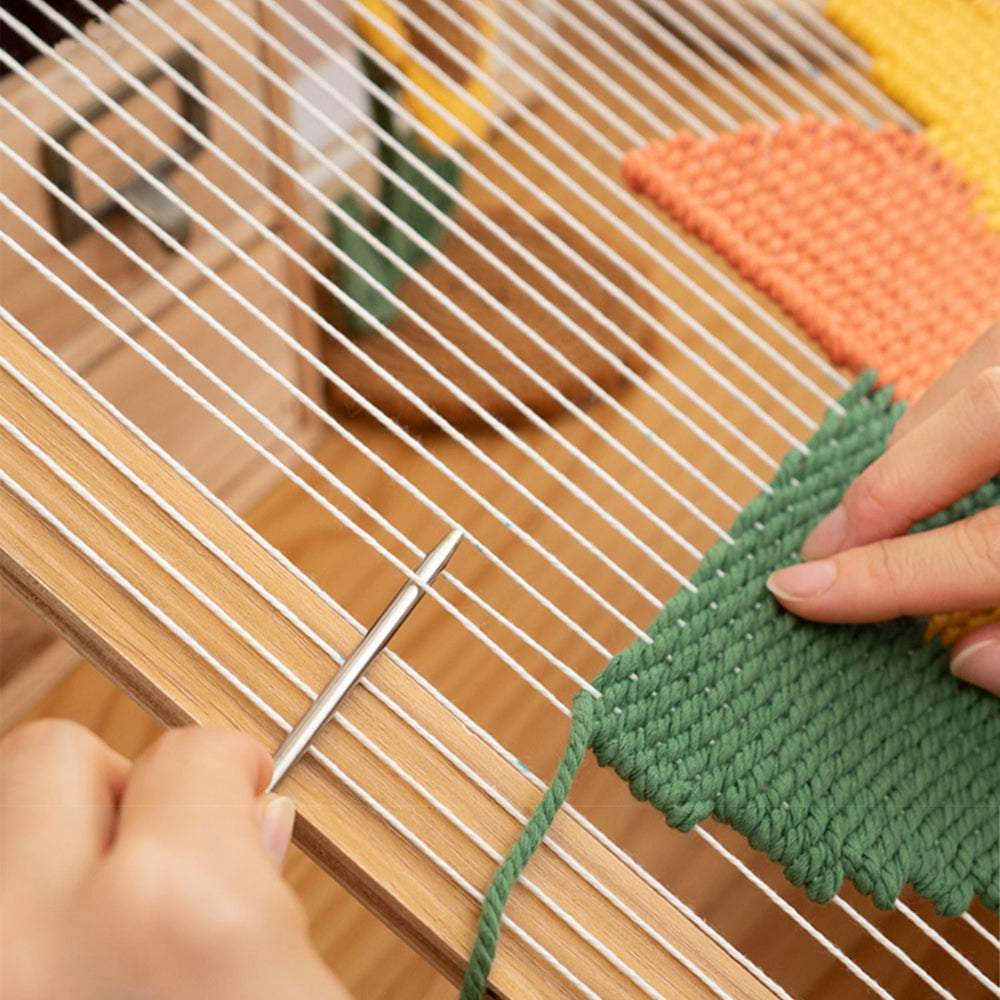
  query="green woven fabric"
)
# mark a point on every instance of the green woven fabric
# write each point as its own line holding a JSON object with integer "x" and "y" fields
{"x": 841, "y": 751}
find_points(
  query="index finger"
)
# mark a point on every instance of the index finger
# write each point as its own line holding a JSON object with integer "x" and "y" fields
{"x": 195, "y": 787}
{"x": 984, "y": 353}
{"x": 951, "y": 568}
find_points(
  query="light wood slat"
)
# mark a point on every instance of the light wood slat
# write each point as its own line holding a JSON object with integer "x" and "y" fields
{"x": 335, "y": 827}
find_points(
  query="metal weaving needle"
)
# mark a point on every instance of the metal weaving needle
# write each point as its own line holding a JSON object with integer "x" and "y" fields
{"x": 374, "y": 641}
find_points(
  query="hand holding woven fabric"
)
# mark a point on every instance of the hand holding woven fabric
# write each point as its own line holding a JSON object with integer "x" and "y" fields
{"x": 863, "y": 567}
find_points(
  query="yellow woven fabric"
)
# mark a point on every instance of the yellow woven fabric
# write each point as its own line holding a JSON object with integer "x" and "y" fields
{"x": 949, "y": 628}
{"x": 940, "y": 59}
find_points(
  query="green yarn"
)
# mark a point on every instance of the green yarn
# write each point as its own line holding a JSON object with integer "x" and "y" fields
{"x": 488, "y": 933}
{"x": 841, "y": 751}
{"x": 374, "y": 257}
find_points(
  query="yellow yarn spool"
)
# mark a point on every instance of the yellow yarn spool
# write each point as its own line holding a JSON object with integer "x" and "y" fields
{"x": 432, "y": 98}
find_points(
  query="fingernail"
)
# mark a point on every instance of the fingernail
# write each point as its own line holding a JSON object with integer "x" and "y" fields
{"x": 827, "y": 537}
{"x": 979, "y": 663}
{"x": 796, "y": 583}
{"x": 276, "y": 828}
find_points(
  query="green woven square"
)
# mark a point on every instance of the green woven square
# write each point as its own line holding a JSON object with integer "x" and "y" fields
{"x": 841, "y": 751}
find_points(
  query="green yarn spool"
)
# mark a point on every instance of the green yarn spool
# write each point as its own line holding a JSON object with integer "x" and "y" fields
{"x": 841, "y": 751}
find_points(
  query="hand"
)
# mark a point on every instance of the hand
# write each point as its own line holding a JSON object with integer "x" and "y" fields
{"x": 154, "y": 880}
{"x": 863, "y": 567}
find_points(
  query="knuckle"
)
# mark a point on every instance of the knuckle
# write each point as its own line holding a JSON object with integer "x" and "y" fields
{"x": 981, "y": 540}
{"x": 881, "y": 568}
{"x": 60, "y": 736}
{"x": 874, "y": 496}
{"x": 984, "y": 394}
{"x": 887, "y": 576}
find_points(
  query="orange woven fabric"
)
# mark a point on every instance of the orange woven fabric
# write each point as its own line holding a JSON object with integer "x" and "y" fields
{"x": 866, "y": 237}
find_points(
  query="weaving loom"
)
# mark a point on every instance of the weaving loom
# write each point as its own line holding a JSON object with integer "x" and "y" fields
{"x": 292, "y": 288}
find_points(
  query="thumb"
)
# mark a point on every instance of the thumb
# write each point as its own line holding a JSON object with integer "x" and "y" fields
{"x": 976, "y": 659}
{"x": 276, "y": 820}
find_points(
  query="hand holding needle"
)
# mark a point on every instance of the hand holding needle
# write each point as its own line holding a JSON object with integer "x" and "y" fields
{"x": 374, "y": 641}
